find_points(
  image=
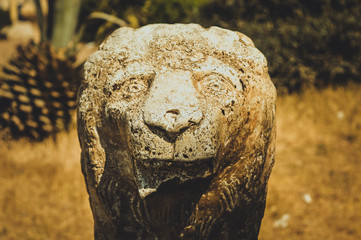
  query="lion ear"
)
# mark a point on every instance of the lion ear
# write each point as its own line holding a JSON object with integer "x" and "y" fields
{"x": 93, "y": 154}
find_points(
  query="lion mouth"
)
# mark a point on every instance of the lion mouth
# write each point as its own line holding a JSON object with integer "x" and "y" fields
{"x": 150, "y": 174}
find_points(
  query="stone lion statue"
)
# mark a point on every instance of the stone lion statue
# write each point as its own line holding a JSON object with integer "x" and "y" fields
{"x": 177, "y": 129}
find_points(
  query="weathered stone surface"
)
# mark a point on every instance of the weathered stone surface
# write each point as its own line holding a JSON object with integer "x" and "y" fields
{"x": 177, "y": 129}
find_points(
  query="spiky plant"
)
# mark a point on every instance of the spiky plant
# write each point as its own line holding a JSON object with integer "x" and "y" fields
{"x": 38, "y": 91}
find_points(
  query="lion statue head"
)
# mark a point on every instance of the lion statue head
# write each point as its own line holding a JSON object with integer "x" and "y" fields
{"x": 177, "y": 126}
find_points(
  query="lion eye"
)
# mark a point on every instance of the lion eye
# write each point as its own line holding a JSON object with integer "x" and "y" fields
{"x": 132, "y": 86}
{"x": 214, "y": 85}
{"x": 137, "y": 85}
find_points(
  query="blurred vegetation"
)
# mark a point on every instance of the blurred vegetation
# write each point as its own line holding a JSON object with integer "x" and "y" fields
{"x": 307, "y": 43}
{"x": 59, "y": 25}
{"x": 4, "y": 18}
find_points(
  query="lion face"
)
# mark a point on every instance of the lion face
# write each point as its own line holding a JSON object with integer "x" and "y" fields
{"x": 171, "y": 117}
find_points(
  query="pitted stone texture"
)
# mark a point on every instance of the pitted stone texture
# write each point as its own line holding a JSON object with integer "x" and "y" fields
{"x": 177, "y": 130}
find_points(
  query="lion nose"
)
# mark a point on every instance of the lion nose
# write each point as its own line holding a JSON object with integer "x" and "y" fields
{"x": 173, "y": 121}
{"x": 172, "y": 105}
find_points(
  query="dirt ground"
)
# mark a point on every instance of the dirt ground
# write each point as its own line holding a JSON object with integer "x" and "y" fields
{"x": 314, "y": 189}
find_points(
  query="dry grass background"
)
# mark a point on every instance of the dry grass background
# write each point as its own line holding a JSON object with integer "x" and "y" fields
{"x": 314, "y": 190}
{"x": 316, "y": 180}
